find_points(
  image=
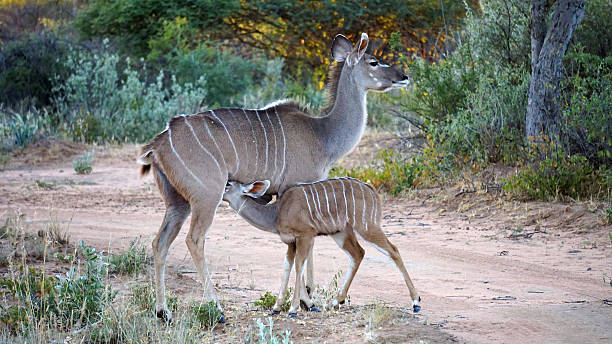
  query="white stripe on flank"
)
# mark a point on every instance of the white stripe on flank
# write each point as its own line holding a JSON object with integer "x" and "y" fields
{"x": 254, "y": 140}
{"x": 320, "y": 209}
{"x": 345, "y": 201}
{"x": 232, "y": 141}
{"x": 200, "y": 144}
{"x": 275, "y": 145}
{"x": 244, "y": 140}
{"x": 284, "y": 142}
{"x": 214, "y": 141}
{"x": 266, "y": 137}
{"x": 308, "y": 203}
{"x": 314, "y": 203}
{"x": 180, "y": 159}
{"x": 354, "y": 208}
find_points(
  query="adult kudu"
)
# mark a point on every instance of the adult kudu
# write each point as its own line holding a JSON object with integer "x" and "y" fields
{"x": 196, "y": 155}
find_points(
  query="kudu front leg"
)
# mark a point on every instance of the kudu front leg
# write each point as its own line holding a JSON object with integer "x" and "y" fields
{"x": 349, "y": 244}
{"x": 201, "y": 221}
{"x": 289, "y": 259}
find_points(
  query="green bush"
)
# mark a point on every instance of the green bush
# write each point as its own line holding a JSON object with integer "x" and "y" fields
{"x": 28, "y": 68}
{"x": 594, "y": 33}
{"x": 558, "y": 176}
{"x": 83, "y": 164}
{"x": 390, "y": 172}
{"x": 266, "y": 334}
{"x": 267, "y": 301}
{"x": 104, "y": 103}
{"x": 131, "y": 261}
{"x": 206, "y": 314}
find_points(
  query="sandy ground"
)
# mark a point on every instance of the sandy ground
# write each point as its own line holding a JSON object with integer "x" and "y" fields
{"x": 489, "y": 270}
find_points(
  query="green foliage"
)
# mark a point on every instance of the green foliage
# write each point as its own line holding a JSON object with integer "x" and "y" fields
{"x": 266, "y": 334}
{"x": 129, "y": 262}
{"x": 103, "y": 103}
{"x": 267, "y": 301}
{"x": 555, "y": 175}
{"x": 83, "y": 164}
{"x": 441, "y": 89}
{"x": 390, "y": 172}
{"x": 206, "y": 314}
{"x": 587, "y": 107}
{"x": 133, "y": 22}
{"x": 78, "y": 299}
{"x": 595, "y": 30}
{"x": 28, "y": 68}
{"x": 500, "y": 33}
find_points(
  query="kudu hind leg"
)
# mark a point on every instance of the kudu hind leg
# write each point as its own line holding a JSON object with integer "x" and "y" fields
{"x": 176, "y": 212}
{"x": 380, "y": 241}
{"x": 348, "y": 243}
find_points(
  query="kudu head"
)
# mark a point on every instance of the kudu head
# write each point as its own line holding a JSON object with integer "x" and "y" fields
{"x": 366, "y": 70}
{"x": 235, "y": 190}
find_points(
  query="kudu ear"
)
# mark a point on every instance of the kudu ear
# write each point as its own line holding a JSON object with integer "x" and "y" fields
{"x": 256, "y": 189}
{"x": 359, "y": 49}
{"x": 341, "y": 48}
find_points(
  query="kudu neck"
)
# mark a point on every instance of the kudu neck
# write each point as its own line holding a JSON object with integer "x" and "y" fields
{"x": 261, "y": 216}
{"x": 345, "y": 123}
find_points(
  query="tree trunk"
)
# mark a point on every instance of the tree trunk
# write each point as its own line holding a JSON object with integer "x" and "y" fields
{"x": 548, "y": 47}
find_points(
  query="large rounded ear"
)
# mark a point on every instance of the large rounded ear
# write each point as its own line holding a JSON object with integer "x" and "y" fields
{"x": 257, "y": 189}
{"x": 341, "y": 48}
{"x": 360, "y": 48}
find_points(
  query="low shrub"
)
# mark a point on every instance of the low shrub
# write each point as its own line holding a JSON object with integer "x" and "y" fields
{"x": 268, "y": 300}
{"x": 131, "y": 261}
{"x": 389, "y": 172}
{"x": 265, "y": 334}
{"x": 206, "y": 314}
{"x": 83, "y": 164}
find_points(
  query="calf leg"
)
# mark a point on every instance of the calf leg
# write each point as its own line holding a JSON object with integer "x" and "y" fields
{"x": 303, "y": 246}
{"x": 348, "y": 243}
{"x": 289, "y": 258}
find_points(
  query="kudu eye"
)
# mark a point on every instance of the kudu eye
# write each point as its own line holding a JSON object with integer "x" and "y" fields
{"x": 373, "y": 63}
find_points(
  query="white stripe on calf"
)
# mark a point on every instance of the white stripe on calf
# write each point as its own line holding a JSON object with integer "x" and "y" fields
{"x": 345, "y": 201}
{"x": 364, "y": 205}
{"x": 266, "y": 137}
{"x": 254, "y": 140}
{"x": 337, "y": 220}
{"x": 232, "y": 141}
{"x": 353, "y": 195}
{"x": 308, "y": 203}
{"x": 201, "y": 146}
{"x": 180, "y": 159}
{"x": 327, "y": 202}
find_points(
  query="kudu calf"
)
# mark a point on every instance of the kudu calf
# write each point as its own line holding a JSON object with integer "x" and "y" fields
{"x": 342, "y": 208}
{"x": 195, "y": 156}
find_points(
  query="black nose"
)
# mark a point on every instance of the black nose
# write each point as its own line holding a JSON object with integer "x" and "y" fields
{"x": 404, "y": 77}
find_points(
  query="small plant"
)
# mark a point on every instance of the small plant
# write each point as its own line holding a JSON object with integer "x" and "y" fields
{"x": 266, "y": 334}
{"x": 44, "y": 185}
{"x": 206, "y": 314}
{"x": 326, "y": 296}
{"x": 57, "y": 234}
{"x": 131, "y": 261}
{"x": 82, "y": 165}
{"x": 267, "y": 301}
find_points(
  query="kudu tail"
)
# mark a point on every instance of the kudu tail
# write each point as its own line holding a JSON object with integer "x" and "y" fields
{"x": 145, "y": 160}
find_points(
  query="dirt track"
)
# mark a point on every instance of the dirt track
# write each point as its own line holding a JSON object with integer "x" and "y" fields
{"x": 488, "y": 271}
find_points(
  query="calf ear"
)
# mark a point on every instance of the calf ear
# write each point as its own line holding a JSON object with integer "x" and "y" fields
{"x": 257, "y": 189}
{"x": 341, "y": 48}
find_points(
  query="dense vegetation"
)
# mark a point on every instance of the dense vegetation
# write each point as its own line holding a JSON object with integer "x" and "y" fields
{"x": 95, "y": 71}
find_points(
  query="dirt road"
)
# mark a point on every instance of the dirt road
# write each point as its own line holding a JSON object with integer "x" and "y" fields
{"x": 488, "y": 271}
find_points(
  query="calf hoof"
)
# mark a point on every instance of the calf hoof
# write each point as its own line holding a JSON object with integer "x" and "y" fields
{"x": 292, "y": 315}
{"x": 309, "y": 291}
{"x": 314, "y": 309}
{"x": 221, "y": 318}
{"x": 342, "y": 302}
{"x": 165, "y": 315}
{"x": 416, "y": 308}
{"x": 274, "y": 312}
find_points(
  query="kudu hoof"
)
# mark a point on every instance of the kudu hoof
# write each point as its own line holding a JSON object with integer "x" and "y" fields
{"x": 416, "y": 308}
{"x": 221, "y": 318}
{"x": 292, "y": 315}
{"x": 314, "y": 309}
{"x": 164, "y": 315}
{"x": 274, "y": 312}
